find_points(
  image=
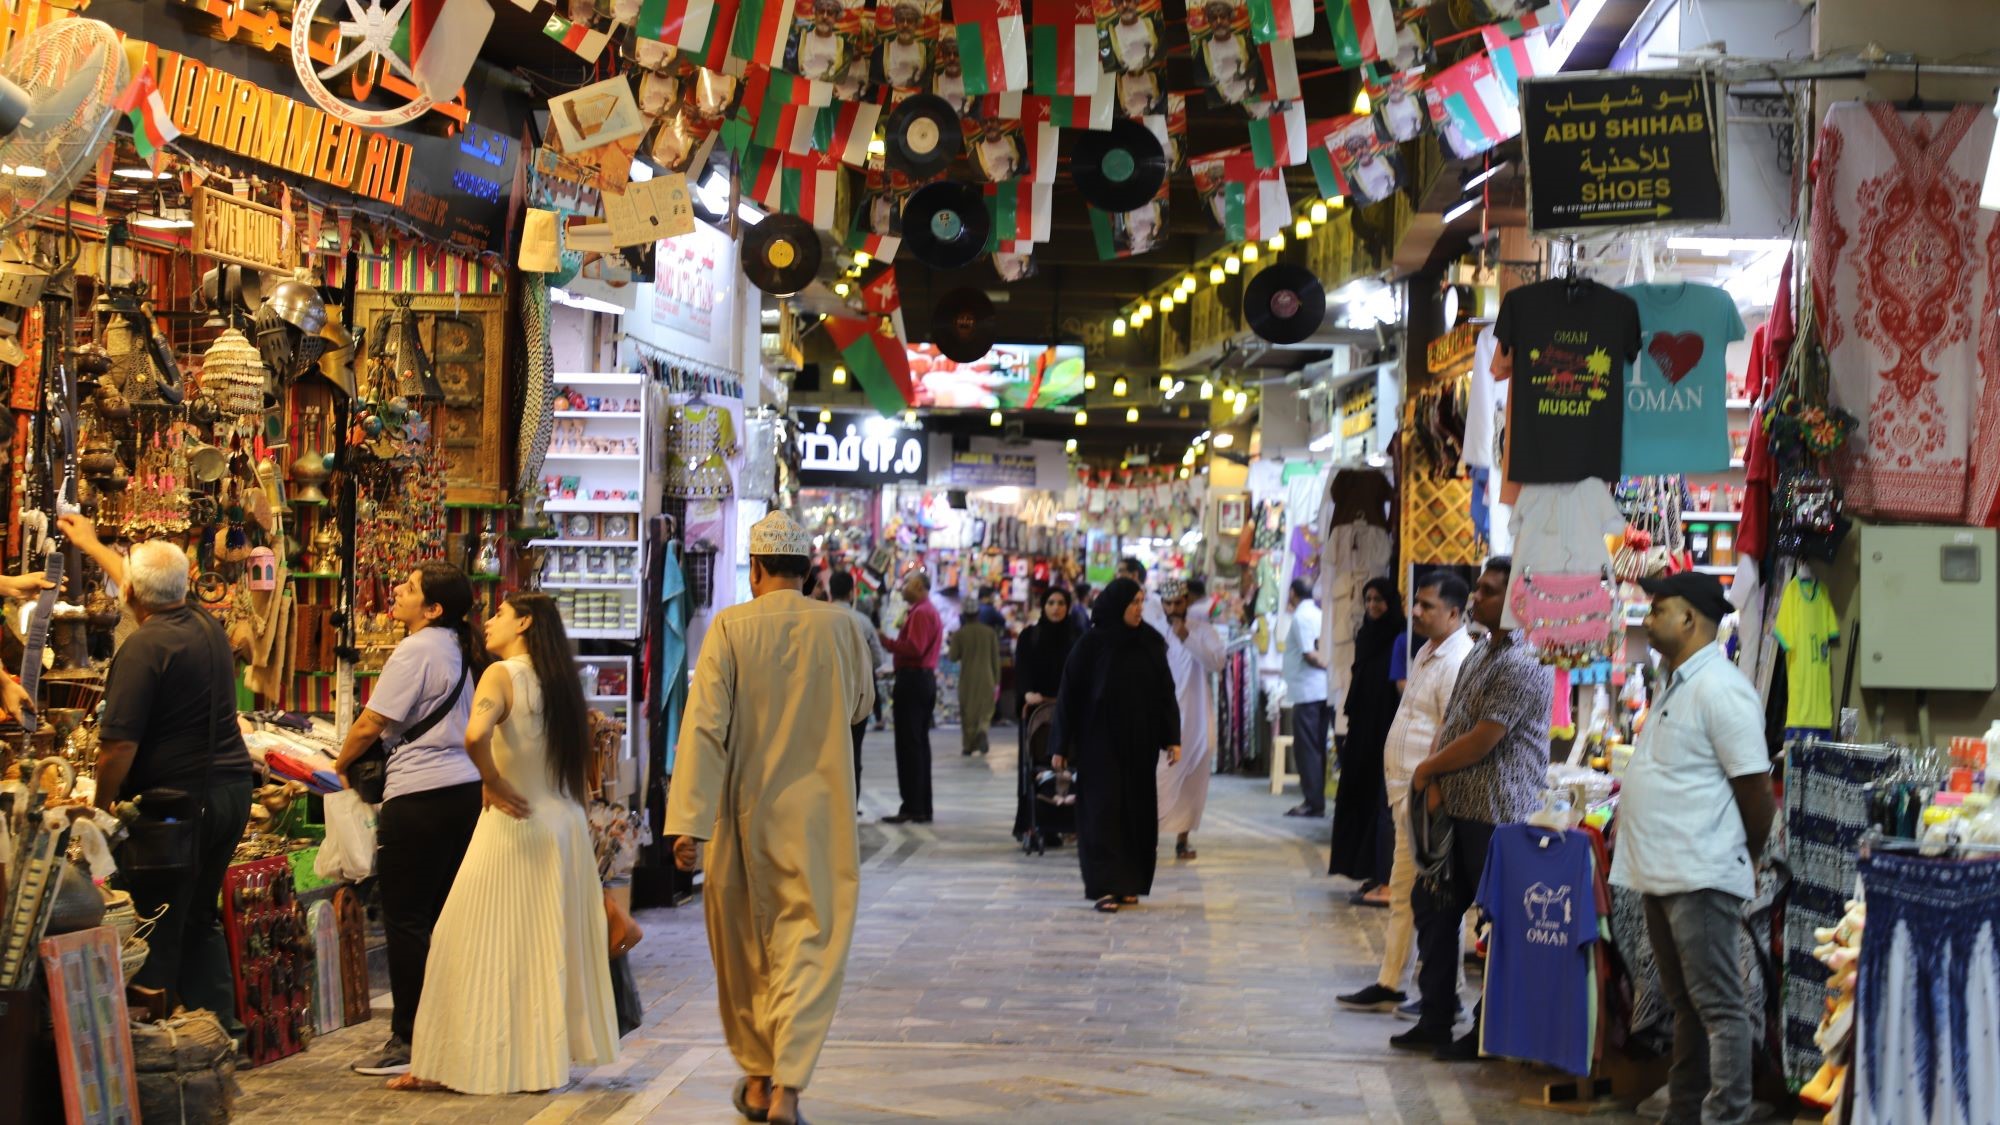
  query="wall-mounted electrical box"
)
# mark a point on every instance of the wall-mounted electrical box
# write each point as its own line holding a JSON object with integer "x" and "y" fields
{"x": 1930, "y": 608}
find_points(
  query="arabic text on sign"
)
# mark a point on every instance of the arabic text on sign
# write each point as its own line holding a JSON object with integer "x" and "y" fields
{"x": 820, "y": 451}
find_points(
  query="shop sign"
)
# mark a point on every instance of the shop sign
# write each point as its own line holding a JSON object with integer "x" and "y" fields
{"x": 858, "y": 449}
{"x": 1622, "y": 150}
{"x": 1454, "y": 347}
{"x": 243, "y": 231}
{"x": 990, "y": 470}
{"x": 693, "y": 276}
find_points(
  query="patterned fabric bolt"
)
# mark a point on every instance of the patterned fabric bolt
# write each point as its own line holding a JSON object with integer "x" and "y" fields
{"x": 539, "y": 412}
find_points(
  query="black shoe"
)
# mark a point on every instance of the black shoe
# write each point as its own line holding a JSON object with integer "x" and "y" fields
{"x": 1302, "y": 810}
{"x": 1374, "y": 998}
{"x": 1421, "y": 1038}
{"x": 1465, "y": 1048}
{"x": 393, "y": 1058}
{"x": 905, "y": 818}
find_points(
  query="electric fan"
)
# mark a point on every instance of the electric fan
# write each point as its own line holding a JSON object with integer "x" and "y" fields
{"x": 71, "y": 71}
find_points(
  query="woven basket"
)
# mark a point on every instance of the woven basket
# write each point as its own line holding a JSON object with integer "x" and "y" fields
{"x": 132, "y": 957}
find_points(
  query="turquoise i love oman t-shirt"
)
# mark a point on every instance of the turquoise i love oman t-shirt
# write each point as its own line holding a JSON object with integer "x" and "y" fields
{"x": 1676, "y": 408}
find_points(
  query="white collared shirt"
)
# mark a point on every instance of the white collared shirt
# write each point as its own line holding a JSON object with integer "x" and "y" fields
{"x": 1678, "y": 826}
{"x": 1433, "y": 671}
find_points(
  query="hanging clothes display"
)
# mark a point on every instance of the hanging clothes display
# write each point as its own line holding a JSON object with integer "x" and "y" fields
{"x": 1827, "y": 795}
{"x": 700, "y": 438}
{"x": 1906, "y": 284}
{"x": 1541, "y": 1001}
{"x": 1355, "y": 547}
{"x": 1927, "y": 1044}
{"x": 1676, "y": 417}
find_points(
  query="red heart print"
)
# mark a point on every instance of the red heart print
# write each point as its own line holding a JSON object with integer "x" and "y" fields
{"x": 1677, "y": 353}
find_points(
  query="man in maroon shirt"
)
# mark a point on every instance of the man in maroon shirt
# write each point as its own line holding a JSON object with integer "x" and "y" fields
{"x": 915, "y": 651}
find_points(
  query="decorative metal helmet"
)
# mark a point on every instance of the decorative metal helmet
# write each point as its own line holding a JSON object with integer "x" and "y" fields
{"x": 297, "y": 303}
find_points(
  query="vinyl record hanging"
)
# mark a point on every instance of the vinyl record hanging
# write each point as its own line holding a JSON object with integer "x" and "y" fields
{"x": 781, "y": 254}
{"x": 945, "y": 224}
{"x": 1120, "y": 170}
{"x": 962, "y": 325}
{"x": 922, "y": 136}
{"x": 1284, "y": 304}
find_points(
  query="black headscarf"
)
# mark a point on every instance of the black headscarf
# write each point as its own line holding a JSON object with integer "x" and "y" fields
{"x": 1123, "y": 665}
{"x": 1045, "y": 646}
{"x": 1379, "y": 633}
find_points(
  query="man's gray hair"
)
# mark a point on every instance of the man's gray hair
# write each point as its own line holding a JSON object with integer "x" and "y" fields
{"x": 157, "y": 572}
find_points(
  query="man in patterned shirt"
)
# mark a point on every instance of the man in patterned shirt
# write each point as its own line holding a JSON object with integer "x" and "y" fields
{"x": 1489, "y": 769}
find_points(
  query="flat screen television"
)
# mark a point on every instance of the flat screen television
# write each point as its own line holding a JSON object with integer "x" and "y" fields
{"x": 1009, "y": 377}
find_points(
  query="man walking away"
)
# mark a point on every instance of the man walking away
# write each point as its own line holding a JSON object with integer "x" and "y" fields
{"x": 762, "y": 774}
{"x": 1440, "y": 618}
{"x": 976, "y": 650}
{"x": 915, "y": 651}
{"x": 1305, "y": 684}
{"x": 841, "y": 587}
{"x": 1695, "y": 813}
{"x": 1490, "y": 768}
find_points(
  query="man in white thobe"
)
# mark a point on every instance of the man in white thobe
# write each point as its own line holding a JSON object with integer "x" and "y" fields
{"x": 764, "y": 773}
{"x": 1194, "y": 652}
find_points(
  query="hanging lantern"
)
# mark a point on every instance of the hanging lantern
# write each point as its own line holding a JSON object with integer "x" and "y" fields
{"x": 263, "y": 569}
{"x": 397, "y": 340}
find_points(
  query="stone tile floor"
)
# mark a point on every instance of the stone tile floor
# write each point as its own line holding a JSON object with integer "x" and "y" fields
{"x": 982, "y": 988}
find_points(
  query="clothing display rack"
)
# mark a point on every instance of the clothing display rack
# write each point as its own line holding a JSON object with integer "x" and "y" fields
{"x": 681, "y": 374}
{"x": 1238, "y": 705}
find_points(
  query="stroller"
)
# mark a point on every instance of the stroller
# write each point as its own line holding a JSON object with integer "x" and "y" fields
{"x": 1047, "y": 797}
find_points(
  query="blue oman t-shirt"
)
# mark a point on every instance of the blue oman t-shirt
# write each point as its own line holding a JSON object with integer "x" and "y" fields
{"x": 1676, "y": 408}
{"x": 1539, "y": 891}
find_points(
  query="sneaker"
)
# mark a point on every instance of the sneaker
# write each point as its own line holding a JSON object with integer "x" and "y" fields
{"x": 1374, "y": 998}
{"x": 1421, "y": 1038}
{"x": 1414, "y": 1010}
{"x": 394, "y": 1058}
{"x": 1465, "y": 1048}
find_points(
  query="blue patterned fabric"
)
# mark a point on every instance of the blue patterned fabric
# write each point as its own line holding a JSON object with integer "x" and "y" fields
{"x": 1940, "y": 919}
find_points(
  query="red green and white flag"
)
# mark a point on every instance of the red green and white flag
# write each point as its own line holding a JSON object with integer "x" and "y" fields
{"x": 1019, "y": 210}
{"x": 1470, "y": 107}
{"x": 760, "y": 176}
{"x": 1065, "y": 47}
{"x": 586, "y": 43}
{"x": 1244, "y": 200}
{"x": 992, "y": 45}
{"x": 152, "y": 127}
{"x": 689, "y": 26}
{"x": 1272, "y": 20}
{"x": 850, "y": 127}
{"x": 1278, "y": 139}
{"x": 878, "y": 360}
{"x": 881, "y": 247}
{"x": 783, "y": 110}
{"x": 1281, "y": 70}
{"x": 1551, "y": 15}
{"x": 762, "y": 26}
{"x": 811, "y": 188}
{"x": 1363, "y": 30}
{"x": 1515, "y": 59}
{"x": 882, "y": 297}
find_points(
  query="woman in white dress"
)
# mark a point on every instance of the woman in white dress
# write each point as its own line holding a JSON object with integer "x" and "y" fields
{"x": 518, "y": 985}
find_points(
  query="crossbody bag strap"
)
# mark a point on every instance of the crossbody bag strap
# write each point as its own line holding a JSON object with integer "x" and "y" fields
{"x": 423, "y": 725}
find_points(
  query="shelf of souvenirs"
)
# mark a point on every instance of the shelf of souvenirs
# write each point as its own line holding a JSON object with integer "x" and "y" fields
{"x": 591, "y": 505}
{"x": 600, "y": 379}
{"x": 1711, "y": 517}
{"x": 626, "y": 543}
{"x": 579, "y": 633}
{"x": 631, "y": 415}
{"x": 557, "y": 455}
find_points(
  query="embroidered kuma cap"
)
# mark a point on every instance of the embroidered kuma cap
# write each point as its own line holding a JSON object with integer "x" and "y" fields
{"x": 779, "y": 534}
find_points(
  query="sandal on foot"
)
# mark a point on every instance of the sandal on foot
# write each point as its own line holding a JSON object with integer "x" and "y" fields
{"x": 1108, "y": 904}
{"x": 1182, "y": 851}
{"x": 1130, "y": 900}
{"x": 412, "y": 1082}
{"x": 743, "y": 1106}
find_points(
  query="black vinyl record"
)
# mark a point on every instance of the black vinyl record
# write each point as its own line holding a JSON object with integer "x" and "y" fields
{"x": 1120, "y": 170}
{"x": 922, "y": 136}
{"x": 1284, "y": 304}
{"x": 962, "y": 325}
{"x": 945, "y": 224}
{"x": 781, "y": 254}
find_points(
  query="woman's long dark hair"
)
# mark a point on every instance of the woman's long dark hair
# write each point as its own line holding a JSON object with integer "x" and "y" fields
{"x": 564, "y": 713}
{"x": 446, "y": 587}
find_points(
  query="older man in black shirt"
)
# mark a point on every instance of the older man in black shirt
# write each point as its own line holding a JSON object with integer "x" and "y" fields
{"x": 169, "y": 733}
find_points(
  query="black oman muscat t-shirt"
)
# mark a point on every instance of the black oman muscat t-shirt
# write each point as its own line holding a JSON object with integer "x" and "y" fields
{"x": 1568, "y": 344}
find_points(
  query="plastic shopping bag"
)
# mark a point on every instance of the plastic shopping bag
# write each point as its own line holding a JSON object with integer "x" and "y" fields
{"x": 348, "y": 852}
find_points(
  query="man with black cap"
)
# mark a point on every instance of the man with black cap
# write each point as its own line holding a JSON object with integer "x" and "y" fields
{"x": 1695, "y": 812}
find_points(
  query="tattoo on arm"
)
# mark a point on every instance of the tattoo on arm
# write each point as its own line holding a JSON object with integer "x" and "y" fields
{"x": 486, "y": 706}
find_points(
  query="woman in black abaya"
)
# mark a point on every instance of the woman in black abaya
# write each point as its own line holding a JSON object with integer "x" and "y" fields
{"x": 1117, "y": 714}
{"x": 1040, "y": 656}
{"x": 1363, "y": 837}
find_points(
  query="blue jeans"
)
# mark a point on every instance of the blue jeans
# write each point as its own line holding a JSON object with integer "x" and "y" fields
{"x": 1695, "y": 940}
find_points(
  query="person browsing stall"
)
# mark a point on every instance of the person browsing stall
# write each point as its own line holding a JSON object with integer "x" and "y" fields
{"x": 915, "y": 649}
{"x": 841, "y": 587}
{"x": 169, "y": 736}
{"x": 1305, "y": 684}
{"x": 762, "y": 775}
{"x": 1490, "y": 768}
{"x": 1693, "y": 816}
